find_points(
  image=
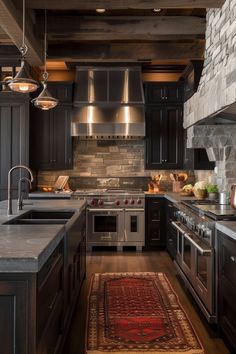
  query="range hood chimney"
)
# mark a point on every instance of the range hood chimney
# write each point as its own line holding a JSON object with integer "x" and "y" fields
{"x": 108, "y": 103}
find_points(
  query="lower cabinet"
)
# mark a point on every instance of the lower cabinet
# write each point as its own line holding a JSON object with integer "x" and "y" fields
{"x": 154, "y": 222}
{"x": 227, "y": 287}
{"x": 171, "y": 233}
{"x": 36, "y": 308}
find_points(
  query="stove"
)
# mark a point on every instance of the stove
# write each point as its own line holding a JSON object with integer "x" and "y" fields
{"x": 115, "y": 217}
{"x": 212, "y": 209}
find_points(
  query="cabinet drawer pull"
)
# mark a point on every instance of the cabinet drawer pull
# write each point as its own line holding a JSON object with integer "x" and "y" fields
{"x": 233, "y": 258}
{"x": 155, "y": 239}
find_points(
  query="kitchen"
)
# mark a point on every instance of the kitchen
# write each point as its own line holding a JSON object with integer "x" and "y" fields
{"x": 138, "y": 102}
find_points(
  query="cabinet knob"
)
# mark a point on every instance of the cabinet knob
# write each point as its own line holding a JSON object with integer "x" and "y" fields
{"x": 233, "y": 258}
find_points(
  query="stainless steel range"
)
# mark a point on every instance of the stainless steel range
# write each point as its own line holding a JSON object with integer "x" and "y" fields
{"x": 115, "y": 217}
{"x": 196, "y": 249}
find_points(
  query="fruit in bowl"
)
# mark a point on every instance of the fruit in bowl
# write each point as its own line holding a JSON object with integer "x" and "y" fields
{"x": 187, "y": 190}
{"x": 199, "y": 189}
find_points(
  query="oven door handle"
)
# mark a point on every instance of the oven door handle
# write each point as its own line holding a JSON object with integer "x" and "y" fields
{"x": 103, "y": 209}
{"x": 135, "y": 210}
{"x": 177, "y": 227}
{"x": 206, "y": 251}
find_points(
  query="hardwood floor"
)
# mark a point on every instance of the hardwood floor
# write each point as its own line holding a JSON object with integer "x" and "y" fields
{"x": 108, "y": 261}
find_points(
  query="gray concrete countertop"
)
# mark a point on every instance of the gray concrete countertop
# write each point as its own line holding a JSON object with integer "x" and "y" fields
{"x": 227, "y": 227}
{"x": 25, "y": 248}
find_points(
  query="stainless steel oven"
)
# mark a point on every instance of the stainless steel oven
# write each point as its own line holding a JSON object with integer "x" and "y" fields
{"x": 114, "y": 218}
{"x": 195, "y": 262}
{"x": 105, "y": 225}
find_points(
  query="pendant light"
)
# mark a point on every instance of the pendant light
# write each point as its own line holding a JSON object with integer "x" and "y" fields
{"x": 45, "y": 101}
{"x": 22, "y": 82}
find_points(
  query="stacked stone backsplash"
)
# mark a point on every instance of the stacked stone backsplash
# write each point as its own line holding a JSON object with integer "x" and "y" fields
{"x": 217, "y": 87}
{"x": 220, "y": 144}
{"x": 108, "y": 163}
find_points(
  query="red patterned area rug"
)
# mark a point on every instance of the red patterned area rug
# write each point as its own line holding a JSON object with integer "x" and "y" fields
{"x": 137, "y": 313}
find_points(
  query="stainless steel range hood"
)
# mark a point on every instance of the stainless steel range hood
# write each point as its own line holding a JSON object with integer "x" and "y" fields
{"x": 108, "y": 103}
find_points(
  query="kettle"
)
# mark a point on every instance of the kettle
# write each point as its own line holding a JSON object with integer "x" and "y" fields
{"x": 233, "y": 196}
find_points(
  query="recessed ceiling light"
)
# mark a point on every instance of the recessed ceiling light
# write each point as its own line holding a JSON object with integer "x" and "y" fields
{"x": 100, "y": 11}
{"x": 157, "y": 10}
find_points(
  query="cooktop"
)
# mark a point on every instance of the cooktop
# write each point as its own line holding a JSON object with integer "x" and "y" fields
{"x": 212, "y": 209}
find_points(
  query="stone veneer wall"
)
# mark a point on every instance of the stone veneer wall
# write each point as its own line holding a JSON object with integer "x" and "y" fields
{"x": 220, "y": 142}
{"x": 217, "y": 87}
{"x": 104, "y": 159}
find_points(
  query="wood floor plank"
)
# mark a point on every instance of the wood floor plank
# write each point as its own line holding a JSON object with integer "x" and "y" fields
{"x": 109, "y": 261}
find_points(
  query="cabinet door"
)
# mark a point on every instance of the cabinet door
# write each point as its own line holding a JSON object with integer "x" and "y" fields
{"x": 62, "y": 91}
{"x": 154, "y": 93}
{"x": 227, "y": 287}
{"x": 155, "y": 222}
{"x": 62, "y": 153}
{"x": 14, "y": 135}
{"x": 41, "y": 138}
{"x": 173, "y": 138}
{"x": 51, "y": 141}
{"x": 164, "y": 93}
{"x": 154, "y": 137}
{"x": 173, "y": 93}
{"x": 13, "y": 317}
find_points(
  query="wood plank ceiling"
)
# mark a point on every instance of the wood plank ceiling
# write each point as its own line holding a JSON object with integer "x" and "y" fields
{"x": 128, "y": 31}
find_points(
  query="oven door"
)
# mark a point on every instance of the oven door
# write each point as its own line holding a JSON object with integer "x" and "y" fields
{"x": 204, "y": 277}
{"x": 105, "y": 225}
{"x": 134, "y": 225}
{"x": 180, "y": 234}
{"x": 188, "y": 263}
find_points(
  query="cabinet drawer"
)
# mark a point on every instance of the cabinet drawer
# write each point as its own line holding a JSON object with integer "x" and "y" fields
{"x": 46, "y": 269}
{"x": 48, "y": 294}
{"x": 51, "y": 339}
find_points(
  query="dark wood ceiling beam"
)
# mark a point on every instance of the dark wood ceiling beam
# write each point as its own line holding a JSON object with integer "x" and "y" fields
{"x": 121, "y": 4}
{"x": 122, "y": 28}
{"x": 11, "y": 23}
{"x": 127, "y": 51}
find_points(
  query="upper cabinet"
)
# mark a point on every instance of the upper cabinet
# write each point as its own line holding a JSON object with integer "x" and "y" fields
{"x": 163, "y": 93}
{"x": 164, "y": 126}
{"x": 50, "y": 132}
{"x": 14, "y": 136}
{"x": 164, "y": 137}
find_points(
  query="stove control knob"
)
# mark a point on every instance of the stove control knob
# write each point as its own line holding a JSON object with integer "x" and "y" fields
{"x": 132, "y": 201}
{"x": 126, "y": 201}
{"x": 100, "y": 203}
{"x": 92, "y": 202}
{"x": 139, "y": 201}
{"x": 117, "y": 202}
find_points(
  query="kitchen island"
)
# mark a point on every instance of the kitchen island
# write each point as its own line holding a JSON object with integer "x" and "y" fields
{"x": 42, "y": 267}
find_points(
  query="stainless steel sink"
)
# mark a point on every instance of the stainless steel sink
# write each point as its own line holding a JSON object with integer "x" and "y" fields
{"x": 37, "y": 217}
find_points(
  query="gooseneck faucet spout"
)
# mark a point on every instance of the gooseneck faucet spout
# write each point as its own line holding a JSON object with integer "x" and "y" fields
{"x": 9, "y": 188}
{"x": 20, "y": 192}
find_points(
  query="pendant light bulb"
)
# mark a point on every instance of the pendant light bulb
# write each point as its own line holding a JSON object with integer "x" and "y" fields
{"x": 23, "y": 82}
{"x": 45, "y": 101}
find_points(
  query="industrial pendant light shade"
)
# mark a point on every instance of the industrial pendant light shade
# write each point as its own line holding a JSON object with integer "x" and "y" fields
{"x": 45, "y": 101}
{"x": 23, "y": 82}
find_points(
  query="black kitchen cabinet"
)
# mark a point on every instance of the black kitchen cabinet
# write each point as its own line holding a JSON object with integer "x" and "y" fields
{"x": 76, "y": 263}
{"x": 51, "y": 141}
{"x": 171, "y": 233}
{"x": 63, "y": 91}
{"x": 227, "y": 287}
{"x": 164, "y": 137}
{"x": 154, "y": 222}
{"x": 163, "y": 93}
{"x": 14, "y": 322}
{"x": 14, "y": 137}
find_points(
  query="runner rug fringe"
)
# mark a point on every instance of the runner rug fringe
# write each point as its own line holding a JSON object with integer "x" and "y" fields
{"x": 137, "y": 313}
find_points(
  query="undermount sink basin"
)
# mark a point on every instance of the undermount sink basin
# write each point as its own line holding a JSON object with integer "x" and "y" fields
{"x": 36, "y": 217}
